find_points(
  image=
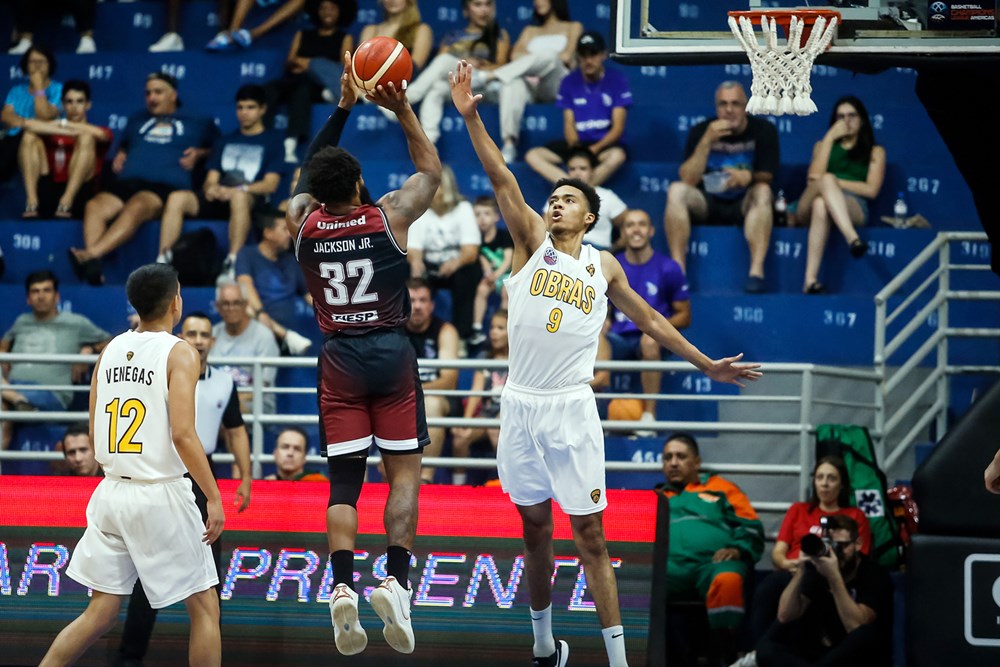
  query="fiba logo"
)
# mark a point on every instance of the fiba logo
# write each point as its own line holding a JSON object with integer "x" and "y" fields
{"x": 939, "y": 7}
{"x": 982, "y": 599}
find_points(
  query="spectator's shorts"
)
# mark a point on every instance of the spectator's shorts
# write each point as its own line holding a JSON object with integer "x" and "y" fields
{"x": 150, "y": 531}
{"x": 723, "y": 211}
{"x": 552, "y": 446}
{"x": 369, "y": 390}
{"x": 562, "y": 148}
{"x": 127, "y": 189}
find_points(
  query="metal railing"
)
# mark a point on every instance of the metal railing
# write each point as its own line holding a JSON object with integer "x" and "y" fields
{"x": 927, "y": 303}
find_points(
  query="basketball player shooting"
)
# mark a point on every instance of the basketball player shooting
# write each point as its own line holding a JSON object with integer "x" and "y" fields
{"x": 558, "y": 292}
{"x": 142, "y": 521}
{"x": 353, "y": 257}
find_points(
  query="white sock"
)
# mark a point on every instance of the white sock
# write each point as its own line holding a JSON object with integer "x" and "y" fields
{"x": 541, "y": 626}
{"x": 458, "y": 478}
{"x": 614, "y": 642}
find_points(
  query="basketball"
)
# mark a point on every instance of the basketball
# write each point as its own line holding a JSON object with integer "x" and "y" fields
{"x": 625, "y": 409}
{"x": 379, "y": 60}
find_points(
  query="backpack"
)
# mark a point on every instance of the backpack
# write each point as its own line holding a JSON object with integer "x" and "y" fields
{"x": 868, "y": 485}
{"x": 196, "y": 258}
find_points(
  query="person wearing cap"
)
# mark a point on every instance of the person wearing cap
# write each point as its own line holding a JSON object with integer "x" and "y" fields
{"x": 158, "y": 152}
{"x": 595, "y": 102}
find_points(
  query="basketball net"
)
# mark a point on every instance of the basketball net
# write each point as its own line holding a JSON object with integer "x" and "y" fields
{"x": 781, "y": 71}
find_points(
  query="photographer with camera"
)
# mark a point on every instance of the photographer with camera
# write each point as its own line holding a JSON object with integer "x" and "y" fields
{"x": 836, "y": 610}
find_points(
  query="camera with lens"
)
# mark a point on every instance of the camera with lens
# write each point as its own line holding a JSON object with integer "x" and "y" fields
{"x": 818, "y": 546}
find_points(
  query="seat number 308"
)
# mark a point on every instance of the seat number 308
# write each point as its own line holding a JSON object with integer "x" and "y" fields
{"x": 336, "y": 273}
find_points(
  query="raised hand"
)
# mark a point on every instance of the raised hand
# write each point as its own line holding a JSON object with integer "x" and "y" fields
{"x": 728, "y": 370}
{"x": 461, "y": 89}
{"x": 387, "y": 96}
{"x": 348, "y": 91}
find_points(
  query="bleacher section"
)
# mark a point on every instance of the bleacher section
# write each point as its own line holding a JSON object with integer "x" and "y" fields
{"x": 782, "y": 325}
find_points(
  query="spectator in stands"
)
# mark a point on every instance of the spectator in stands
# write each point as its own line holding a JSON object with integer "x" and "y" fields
{"x": 831, "y": 496}
{"x": 156, "y": 156}
{"x": 845, "y": 174}
{"x": 401, "y": 21}
{"x": 660, "y": 281}
{"x": 237, "y": 335}
{"x": 61, "y": 160}
{"x": 38, "y": 98}
{"x": 465, "y": 439}
{"x": 269, "y": 276}
{"x": 78, "y": 451}
{"x": 45, "y": 330}
{"x": 244, "y": 170}
{"x": 443, "y": 246}
{"x": 171, "y": 40}
{"x": 541, "y": 57}
{"x": 836, "y": 610}
{"x": 312, "y": 70}
{"x": 580, "y": 164}
{"x": 738, "y": 156}
{"x": 496, "y": 254}
{"x": 595, "y": 102}
{"x": 238, "y": 36}
{"x": 432, "y": 338}
{"x": 28, "y": 14}
{"x": 482, "y": 42}
{"x": 715, "y": 539}
{"x": 290, "y": 450}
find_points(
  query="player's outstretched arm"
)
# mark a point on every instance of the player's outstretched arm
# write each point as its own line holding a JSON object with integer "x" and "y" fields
{"x": 651, "y": 322}
{"x": 405, "y": 205}
{"x": 526, "y": 227}
{"x": 183, "y": 368}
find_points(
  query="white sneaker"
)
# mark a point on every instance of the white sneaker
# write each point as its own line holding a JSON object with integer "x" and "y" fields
{"x": 168, "y": 43}
{"x": 87, "y": 45}
{"x": 228, "y": 272}
{"x": 392, "y": 604}
{"x": 749, "y": 660}
{"x": 296, "y": 342}
{"x": 350, "y": 637}
{"x": 509, "y": 151}
{"x": 646, "y": 433}
{"x": 20, "y": 48}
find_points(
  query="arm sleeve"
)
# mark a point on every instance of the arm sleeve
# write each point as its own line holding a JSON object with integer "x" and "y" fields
{"x": 613, "y": 204}
{"x": 675, "y": 283}
{"x": 787, "y": 532}
{"x": 623, "y": 94}
{"x": 244, "y": 262}
{"x": 329, "y": 135}
{"x": 90, "y": 332}
{"x": 232, "y": 417}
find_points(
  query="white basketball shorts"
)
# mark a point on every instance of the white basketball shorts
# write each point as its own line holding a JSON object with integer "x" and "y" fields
{"x": 149, "y": 530}
{"x": 552, "y": 446}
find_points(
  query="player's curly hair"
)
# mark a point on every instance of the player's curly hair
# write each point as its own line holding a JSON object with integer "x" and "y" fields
{"x": 593, "y": 199}
{"x": 333, "y": 175}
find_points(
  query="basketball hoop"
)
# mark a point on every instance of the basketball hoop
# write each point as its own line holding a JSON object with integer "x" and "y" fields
{"x": 781, "y": 71}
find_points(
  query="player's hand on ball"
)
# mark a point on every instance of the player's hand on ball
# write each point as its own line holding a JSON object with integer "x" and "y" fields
{"x": 728, "y": 370}
{"x": 348, "y": 91}
{"x": 461, "y": 89}
{"x": 387, "y": 96}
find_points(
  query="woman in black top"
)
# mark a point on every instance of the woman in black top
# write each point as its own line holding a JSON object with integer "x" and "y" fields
{"x": 313, "y": 68}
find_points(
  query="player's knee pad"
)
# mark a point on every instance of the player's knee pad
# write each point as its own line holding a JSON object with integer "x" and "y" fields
{"x": 347, "y": 476}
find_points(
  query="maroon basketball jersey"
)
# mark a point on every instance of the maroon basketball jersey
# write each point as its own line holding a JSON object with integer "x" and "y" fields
{"x": 354, "y": 270}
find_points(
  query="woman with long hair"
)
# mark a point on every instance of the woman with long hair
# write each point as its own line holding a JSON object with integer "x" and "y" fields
{"x": 845, "y": 174}
{"x": 542, "y": 55}
{"x": 401, "y": 21}
{"x": 482, "y": 42}
{"x": 488, "y": 407}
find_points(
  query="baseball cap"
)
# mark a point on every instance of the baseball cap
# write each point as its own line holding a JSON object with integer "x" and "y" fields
{"x": 591, "y": 42}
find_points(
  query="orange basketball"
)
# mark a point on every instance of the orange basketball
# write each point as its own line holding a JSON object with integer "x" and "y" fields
{"x": 625, "y": 410}
{"x": 380, "y": 60}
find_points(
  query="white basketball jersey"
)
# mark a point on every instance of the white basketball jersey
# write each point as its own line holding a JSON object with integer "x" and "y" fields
{"x": 131, "y": 417}
{"x": 557, "y": 306}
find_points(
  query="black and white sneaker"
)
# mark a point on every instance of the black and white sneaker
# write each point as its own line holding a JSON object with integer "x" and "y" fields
{"x": 557, "y": 659}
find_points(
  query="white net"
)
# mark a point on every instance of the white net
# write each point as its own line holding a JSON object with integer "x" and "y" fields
{"x": 781, "y": 71}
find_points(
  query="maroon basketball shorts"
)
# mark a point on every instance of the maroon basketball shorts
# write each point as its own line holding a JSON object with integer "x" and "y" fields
{"x": 369, "y": 392}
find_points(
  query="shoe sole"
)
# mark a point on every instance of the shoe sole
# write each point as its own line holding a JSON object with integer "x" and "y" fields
{"x": 397, "y": 635}
{"x": 563, "y": 653}
{"x": 351, "y": 638}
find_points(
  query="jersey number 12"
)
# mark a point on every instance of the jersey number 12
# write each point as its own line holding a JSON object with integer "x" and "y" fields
{"x": 131, "y": 409}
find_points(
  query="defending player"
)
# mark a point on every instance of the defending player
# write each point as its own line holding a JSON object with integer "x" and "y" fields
{"x": 142, "y": 521}
{"x": 354, "y": 260}
{"x": 558, "y": 301}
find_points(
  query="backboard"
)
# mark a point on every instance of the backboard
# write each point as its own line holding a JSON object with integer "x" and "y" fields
{"x": 874, "y": 34}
